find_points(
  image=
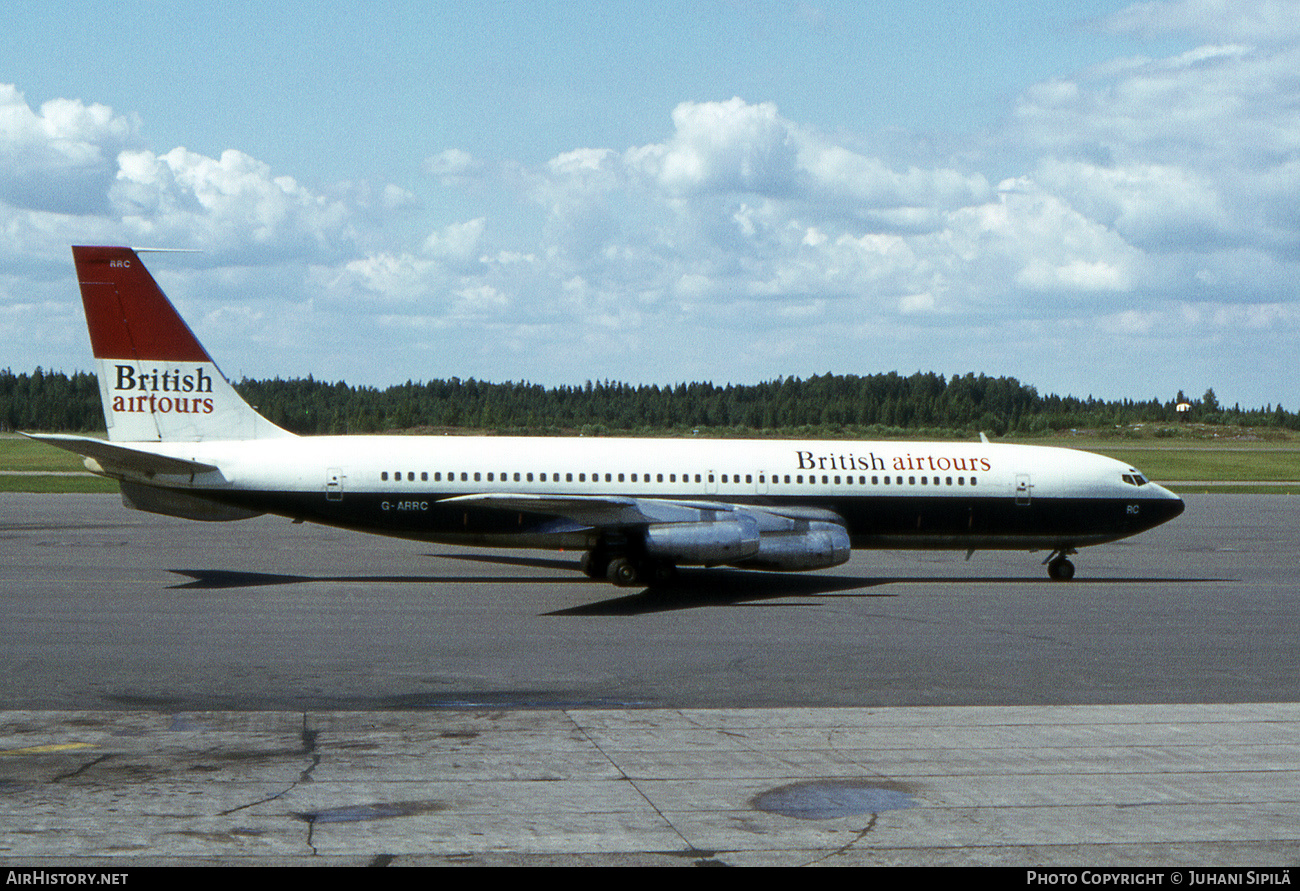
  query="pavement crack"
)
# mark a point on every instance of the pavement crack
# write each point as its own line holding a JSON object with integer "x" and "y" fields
{"x": 631, "y": 782}
{"x": 844, "y": 848}
{"x": 308, "y": 748}
{"x": 82, "y": 769}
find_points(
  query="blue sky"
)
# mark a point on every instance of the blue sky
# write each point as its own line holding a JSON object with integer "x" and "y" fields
{"x": 1096, "y": 198}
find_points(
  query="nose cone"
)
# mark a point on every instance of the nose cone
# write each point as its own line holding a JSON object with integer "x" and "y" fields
{"x": 1164, "y": 506}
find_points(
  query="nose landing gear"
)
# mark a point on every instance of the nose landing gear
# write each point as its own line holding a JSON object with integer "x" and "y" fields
{"x": 1059, "y": 569}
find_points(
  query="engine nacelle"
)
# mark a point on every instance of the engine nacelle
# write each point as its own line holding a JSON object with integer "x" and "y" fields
{"x": 707, "y": 543}
{"x": 815, "y": 547}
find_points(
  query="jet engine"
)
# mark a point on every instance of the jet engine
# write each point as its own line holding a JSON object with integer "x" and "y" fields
{"x": 815, "y": 546}
{"x": 743, "y": 539}
{"x": 706, "y": 543}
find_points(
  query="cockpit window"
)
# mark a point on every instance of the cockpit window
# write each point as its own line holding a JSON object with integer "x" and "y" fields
{"x": 1133, "y": 478}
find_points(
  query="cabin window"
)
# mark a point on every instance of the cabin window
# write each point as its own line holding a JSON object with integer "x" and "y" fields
{"x": 875, "y": 481}
{"x": 424, "y": 476}
{"x": 620, "y": 477}
{"x": 464, "y": 476}
{"x": 948, "y": 480}
{"x": 911, "y": 481}
{"x": 972, "y": 480}
{"x": 837, "y": 480}
{"x": 383, "y": 475}
{"x": 529, "y": 477}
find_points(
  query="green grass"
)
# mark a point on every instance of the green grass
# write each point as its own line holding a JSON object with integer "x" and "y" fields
{"x": 1201, "y": 463}
{"x": 21, "y": 453}
{"x": 35, "y": 460}
{"x": 61, "y": 485}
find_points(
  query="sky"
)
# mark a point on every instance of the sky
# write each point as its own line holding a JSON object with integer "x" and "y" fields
{"x": 1096, "y": 198}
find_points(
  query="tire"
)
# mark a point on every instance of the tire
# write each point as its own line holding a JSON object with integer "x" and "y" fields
{"x": 1060, "y": 570}
{"x": 623, "y": 572}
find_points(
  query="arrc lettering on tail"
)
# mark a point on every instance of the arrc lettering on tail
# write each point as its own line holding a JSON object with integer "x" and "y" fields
{"x": 182, "y": 442}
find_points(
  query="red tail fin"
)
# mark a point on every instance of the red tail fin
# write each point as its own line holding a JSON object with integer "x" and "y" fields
{"x": 128, "y": 315}
{"x": 157, "y": 382}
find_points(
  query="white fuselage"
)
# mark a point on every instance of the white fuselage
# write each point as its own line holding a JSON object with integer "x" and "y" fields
{"x": 890, "y": 494}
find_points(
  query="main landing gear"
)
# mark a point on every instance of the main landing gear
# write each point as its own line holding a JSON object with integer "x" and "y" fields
{"x": 1059, "y": 569}
{"x": 625, "y": 570}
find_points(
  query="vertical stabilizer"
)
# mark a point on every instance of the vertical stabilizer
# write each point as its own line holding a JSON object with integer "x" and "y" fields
{"x": 156, "y": 381}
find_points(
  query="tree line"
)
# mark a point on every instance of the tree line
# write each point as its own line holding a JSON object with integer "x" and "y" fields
{"x": 822, "y": 405}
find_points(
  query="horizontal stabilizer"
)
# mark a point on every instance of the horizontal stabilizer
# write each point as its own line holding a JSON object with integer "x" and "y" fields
{"x": 110, "y": 455}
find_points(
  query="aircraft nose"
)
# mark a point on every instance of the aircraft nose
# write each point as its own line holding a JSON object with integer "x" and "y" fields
{"x": 1168, "y": 505}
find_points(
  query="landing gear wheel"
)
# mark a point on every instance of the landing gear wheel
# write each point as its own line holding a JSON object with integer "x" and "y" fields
{"x": 623, "y": 572}
{"x": 1060, "y": 570}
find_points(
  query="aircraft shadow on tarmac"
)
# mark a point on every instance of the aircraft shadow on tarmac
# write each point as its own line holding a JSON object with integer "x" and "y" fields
{"x": 691, "y": 589}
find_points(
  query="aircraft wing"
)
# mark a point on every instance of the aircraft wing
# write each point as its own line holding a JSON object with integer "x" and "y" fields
{"x": 110, "y": 455}
{"x": 594, "y": 510}
{"x": 611, "y": 511}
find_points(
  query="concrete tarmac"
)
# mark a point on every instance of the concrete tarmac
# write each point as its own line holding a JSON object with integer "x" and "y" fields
{"x": 269, "y": 693}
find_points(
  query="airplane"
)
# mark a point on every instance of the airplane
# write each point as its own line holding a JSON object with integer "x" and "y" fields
{"x": 183, "y": 443}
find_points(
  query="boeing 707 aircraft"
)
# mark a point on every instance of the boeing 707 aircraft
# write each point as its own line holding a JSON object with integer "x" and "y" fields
{"x": 182, "y": 442}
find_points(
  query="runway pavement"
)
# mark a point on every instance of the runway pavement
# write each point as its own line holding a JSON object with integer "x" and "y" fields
{"x": 187, "y": 688}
